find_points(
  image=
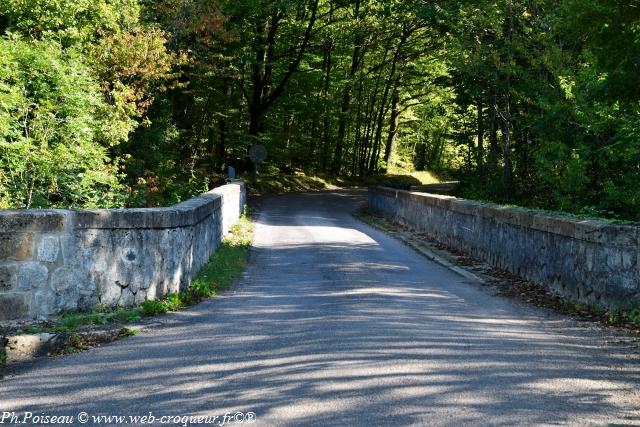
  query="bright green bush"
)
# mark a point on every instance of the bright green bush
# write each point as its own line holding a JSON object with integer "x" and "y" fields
{"x": 51, "y": 118}
{"x": 71, "y": 22}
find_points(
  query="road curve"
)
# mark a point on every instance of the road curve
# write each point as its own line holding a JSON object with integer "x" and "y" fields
{"x": 335, "y": 323}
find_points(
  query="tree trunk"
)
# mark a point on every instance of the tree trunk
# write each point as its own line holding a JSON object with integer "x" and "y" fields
{"x": 326, "y": 123}
{"x": 393, "y": 123}
{"x": 480, "y": 154}
{"x": 506, "y": 148}
{"x": 383, "y": 104}
{"x": 346, "y": 97}
{"x": 256, "y": 124}
{"x": 493, "y": 133}
{"x": 261, "y": 98}
{"x": 222, "y": 145}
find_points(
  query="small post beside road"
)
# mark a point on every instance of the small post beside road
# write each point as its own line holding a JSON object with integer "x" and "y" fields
{"x": 257, "y": 154}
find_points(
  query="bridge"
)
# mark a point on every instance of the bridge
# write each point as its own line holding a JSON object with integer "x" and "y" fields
{"x": 335, "y": 322}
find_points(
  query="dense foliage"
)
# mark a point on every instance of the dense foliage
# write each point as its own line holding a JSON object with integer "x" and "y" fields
{"x": 110, "y": 102}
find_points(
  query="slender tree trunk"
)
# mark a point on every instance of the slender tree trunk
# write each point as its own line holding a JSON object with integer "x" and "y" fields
{"x": 419, "y": 156}
{"x": 506, "y": 153}
{"x": 358, "y": 136}
{"x": 326, "y": 132}
{"x": 258, "y": 71}
{"x": 383, "y": 104}
{"x": 366, "y": 141}
{"x": 262, "y": 96}
{"x": 393, "y": 123}
{"x": 493, "y": 133}
{"x": 481, "y": 169}
{"x": 372, "y": 146}
{"x": 346, "y": 96}
{"x": 256, "y": 123}
{"x": 222, "y": 145}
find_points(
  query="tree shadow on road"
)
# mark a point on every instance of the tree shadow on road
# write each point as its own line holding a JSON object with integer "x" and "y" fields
{"x": 365, "y": 335}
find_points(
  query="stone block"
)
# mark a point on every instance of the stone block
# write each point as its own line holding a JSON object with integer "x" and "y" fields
{"x": 620, "y": 235}
{"x": 17, "y": 246}
{"x": 88, "y": 296}
{"x": 67, "y": 299}
{"x": 32, "y": 275}
{"x": 13, "y": 306}
{"x": 48, "y": 249}
{"x": 68, "y": 248}
{"x": 614, "y": 258}
{"x": 32, "y": 220}
{"x": 109, "y": 292}
{"x": 63, "y": 278}
{"x": 43, "y": 304}
{"x": 129, "y": 256}
{"x": 628, "y": 259}
{"x": 7, "y": 277}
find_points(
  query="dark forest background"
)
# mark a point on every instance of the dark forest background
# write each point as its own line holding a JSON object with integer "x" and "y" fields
{"x": 145, "y": 103}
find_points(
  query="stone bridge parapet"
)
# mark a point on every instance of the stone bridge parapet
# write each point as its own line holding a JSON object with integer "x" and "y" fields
{"x": 55, "y": 260}
{"x": 586, "y": 260}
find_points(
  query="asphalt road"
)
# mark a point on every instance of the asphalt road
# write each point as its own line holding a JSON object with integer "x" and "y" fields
{"x": 335, "y": 323}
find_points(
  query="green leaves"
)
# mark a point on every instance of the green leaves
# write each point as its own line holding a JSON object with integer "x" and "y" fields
{"x": 70, "y": 22}
{"x": 537, "y": 101}
{"x": 76, "y": 78}
{"x": 50, "y": 110}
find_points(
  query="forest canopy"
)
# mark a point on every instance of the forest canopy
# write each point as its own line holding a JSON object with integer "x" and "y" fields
{"x": 143, "y": 103}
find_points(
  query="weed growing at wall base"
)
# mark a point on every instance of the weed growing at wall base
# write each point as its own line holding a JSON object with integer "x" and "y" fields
{"x": 224, "y": 266}
{"x": 83, "y": 330}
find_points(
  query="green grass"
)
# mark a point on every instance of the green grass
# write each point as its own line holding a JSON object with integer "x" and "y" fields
{"x": 633, "y": 314}
{"x": 124, "y": 315}
{"x": 274, "y": 184}
{"x": 299, "y": 182}
{"x": 35, "y": 330}
{"x": 548, "y": 212}
{"x": 629, "y": 317}
{"x": 127, "y": 332}
{"x": 154, "y": 307}
{"x": 71, "y": 321}
{"x": 424, "y": 177}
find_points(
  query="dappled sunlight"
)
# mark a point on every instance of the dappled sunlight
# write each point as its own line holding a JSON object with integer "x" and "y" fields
{"x": 325, "y": 332}
{"x": 383, "y": 291}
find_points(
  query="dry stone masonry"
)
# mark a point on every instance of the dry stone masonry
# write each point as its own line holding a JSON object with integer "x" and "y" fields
{"x": 54, "y": 260}
{"x": 586, "y": 260}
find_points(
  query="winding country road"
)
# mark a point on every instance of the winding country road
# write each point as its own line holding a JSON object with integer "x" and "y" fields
{"x": 335, "y": 323}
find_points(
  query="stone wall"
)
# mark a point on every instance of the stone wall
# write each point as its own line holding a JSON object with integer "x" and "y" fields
{"x": 586, "y": 260}
{"x": 54, "y": 260}
{"x": 233, "y": 202}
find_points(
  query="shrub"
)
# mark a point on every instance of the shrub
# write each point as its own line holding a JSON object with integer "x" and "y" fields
{"x": 51, "y": 116}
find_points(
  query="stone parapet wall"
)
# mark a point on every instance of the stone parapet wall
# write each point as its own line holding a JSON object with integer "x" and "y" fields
{"x": 586, "y": 260}
{"x": 233, "y": 203}
{"x": 54, "y": 260}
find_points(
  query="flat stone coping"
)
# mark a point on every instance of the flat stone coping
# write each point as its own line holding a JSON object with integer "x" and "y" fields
{"x": 185, "y": 214}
